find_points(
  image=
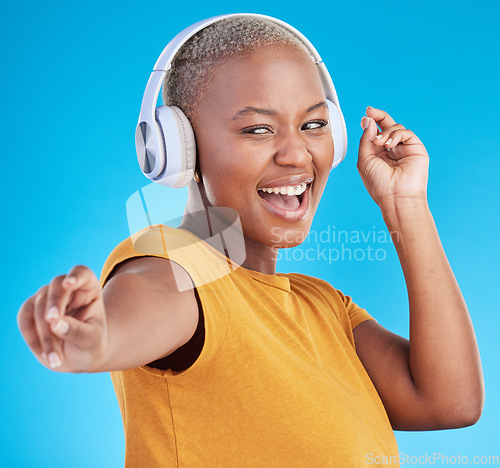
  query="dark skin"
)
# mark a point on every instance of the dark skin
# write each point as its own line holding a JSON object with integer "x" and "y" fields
{"x": 240, "y": 151}
{"x": 432, "y": 381}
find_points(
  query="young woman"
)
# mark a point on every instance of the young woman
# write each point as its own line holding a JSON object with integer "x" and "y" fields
{"x": 217, "y": 364}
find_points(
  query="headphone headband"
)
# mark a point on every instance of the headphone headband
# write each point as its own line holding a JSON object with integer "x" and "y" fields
{"x": 150, "y": 142}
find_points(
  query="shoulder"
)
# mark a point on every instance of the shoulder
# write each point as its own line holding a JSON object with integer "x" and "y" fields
{"x": 159, "y": 270}
{"x": 319, "y": 286}
{"x": 341, "y": 304}
{"x": 151, "y": 251}
{"x": 139, "y": 269}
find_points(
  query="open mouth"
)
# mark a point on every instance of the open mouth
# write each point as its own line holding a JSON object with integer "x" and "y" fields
{"x": 290, "y": 202}
{"x": 286, "y": 198}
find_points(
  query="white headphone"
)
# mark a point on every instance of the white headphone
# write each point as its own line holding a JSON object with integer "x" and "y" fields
{"x": 164, "y": 138}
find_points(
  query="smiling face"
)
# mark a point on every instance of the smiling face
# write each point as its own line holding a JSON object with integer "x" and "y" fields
{"x": 264, "y": 143}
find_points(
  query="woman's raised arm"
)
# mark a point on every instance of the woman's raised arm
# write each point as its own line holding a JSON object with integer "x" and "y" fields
{"x": 434, "y": 381}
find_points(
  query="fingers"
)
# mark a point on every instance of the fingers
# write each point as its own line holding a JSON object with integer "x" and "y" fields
{"x": 392, "y": 133}
{"x": 72, "y": 329}
{"x": 382, "y": 118}
{"x": 369, "y": 133}
{"x": 48, "y": 342}
{"x": 62, "y": 289}
{"x": 45, "y": 321}
{"x": 388, "y": 136}
{"x": 369, "y": 127}
{"x": 371, "y": 139}
{"x": 66, "y": 293}
{"x": 27, "y": 326}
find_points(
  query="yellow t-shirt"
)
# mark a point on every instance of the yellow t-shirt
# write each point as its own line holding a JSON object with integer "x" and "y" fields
{"x": 277, "y": 383}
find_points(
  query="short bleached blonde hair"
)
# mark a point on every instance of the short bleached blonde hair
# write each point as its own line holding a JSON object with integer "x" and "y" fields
{"x": 192, "y": 68}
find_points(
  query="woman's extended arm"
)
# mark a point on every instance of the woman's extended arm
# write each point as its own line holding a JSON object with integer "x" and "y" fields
{"x": 138, "y": 317}
{"x": 434, "y": 381}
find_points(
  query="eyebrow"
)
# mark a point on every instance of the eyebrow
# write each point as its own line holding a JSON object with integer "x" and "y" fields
{"x": 249, "y": 109}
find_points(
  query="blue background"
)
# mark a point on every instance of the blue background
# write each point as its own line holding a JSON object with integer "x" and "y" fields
{"x": 72, "y": 79}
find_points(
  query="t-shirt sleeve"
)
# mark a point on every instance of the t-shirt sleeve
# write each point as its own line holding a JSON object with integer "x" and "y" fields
{"x": 356, "y": 314}
{"x": 120, "y": 253}
{"x": 159, "y": 241}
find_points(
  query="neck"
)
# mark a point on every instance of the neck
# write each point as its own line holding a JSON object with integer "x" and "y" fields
{"x": 260, "y": 258}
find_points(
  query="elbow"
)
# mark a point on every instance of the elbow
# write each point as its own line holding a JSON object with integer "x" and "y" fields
{"x": 473, "y": 412}
{"x": 463, "y": 414}
{"x": 465, "y": 419}
{"x": 461, "y": 406}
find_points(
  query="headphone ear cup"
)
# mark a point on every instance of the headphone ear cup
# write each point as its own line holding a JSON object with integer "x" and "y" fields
{"x": 339, "y": 133}
{"x": 180, "y": 147}
{"x": 188, "y": 143}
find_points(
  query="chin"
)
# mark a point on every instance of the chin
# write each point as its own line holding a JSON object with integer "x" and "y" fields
{"x": 285, "y": 237}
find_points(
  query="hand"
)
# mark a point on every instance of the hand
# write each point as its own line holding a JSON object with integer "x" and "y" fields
{"x": 64, "y": 323}
{"x": 393, "y": 162}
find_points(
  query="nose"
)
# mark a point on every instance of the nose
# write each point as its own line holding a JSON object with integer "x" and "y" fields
{"x": 292, "y": 151}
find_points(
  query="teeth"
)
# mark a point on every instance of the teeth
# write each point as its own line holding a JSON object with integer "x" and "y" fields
{"x": 287, "y": 190}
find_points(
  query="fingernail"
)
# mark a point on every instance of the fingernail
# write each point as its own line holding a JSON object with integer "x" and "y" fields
{"x": 378, "y": 137}
{"x": 61, "y": 327}
{"x": 369, "y": 107}
{"x": 389, "y": 141}
{"x": 365, "y": 122}
{"x": 70, "y": 280}
{"x": 52, "y": 313}
{"x": 54, "y": 360}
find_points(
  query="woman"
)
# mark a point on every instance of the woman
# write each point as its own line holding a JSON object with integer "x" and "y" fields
{"x": 217, "y": 364}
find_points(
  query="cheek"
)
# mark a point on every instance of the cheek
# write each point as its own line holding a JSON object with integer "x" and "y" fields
{"x": 225, "y": 184}
{"x": 230, "y": 172}
{"x": 324, "y": 151}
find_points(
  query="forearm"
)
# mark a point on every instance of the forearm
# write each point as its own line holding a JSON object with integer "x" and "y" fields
{"x": 444, "y": 358}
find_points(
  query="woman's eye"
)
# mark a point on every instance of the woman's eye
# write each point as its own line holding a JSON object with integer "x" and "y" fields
{"x": 314, "y": 125}
{"x": 256, "y": 130}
